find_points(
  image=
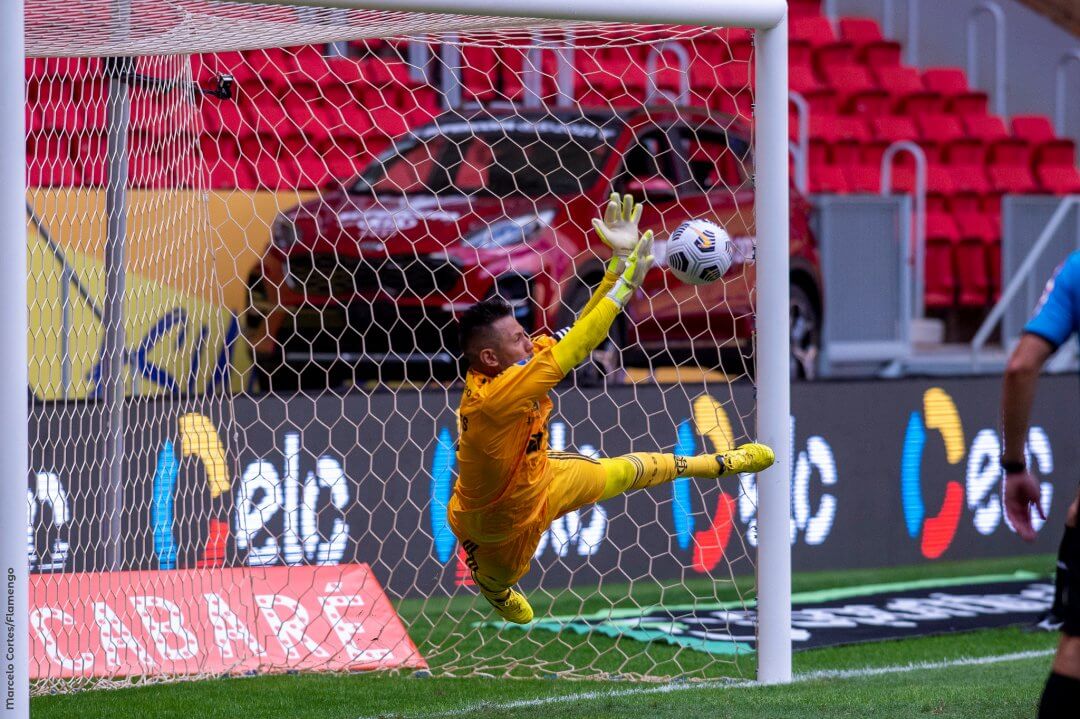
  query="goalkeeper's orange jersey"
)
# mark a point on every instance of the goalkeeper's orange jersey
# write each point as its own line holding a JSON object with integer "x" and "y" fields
{"x": 502, "y": 448}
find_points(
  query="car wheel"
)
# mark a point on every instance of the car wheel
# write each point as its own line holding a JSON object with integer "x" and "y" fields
{"x": 605, "y": 362}
{"x": 805, "y": 335}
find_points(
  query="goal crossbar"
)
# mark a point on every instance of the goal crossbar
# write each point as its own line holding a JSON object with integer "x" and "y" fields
{"x": 757, "y": 14}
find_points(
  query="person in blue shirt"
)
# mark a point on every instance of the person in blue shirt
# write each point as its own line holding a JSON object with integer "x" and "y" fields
{"x": 1056, "y": 319}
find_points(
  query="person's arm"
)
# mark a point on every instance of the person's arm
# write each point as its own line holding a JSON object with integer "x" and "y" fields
{"x": 516, "y": 386}
{"x": 1054, "y": 321}
{"x": 1018, "y": 394}
{"x": 618, "y": 230}
{"x": 611, "y": 275}
{"x": 591, "y": 328}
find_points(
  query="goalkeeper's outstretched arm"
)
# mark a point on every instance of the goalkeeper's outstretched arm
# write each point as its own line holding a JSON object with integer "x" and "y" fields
{"x": 593, "y": 326}
{"x": 618, "y": 230}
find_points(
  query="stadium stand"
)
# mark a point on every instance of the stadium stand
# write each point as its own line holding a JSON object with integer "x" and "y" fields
{"x": 862, "y": 99}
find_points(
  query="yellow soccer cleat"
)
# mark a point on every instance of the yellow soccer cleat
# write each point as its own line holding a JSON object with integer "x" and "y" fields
{"x": 510, "y": 604}
{"x": 746, "y": 458}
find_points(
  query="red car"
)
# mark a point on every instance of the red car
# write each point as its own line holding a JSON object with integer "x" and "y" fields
{"x": 365, "y": 281}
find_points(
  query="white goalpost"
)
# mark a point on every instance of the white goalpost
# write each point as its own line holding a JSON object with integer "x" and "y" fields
{"x": 180, "y": 302}
{"x": 14, "y": 458}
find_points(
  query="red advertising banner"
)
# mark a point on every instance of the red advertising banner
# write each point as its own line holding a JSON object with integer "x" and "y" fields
{"x": 214, "y": 621}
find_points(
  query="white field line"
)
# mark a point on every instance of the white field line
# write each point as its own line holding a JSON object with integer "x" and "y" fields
{"x": 731, "y": 684}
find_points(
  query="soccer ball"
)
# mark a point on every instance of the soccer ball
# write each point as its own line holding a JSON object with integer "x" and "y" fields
{"x": 699, "y": 252}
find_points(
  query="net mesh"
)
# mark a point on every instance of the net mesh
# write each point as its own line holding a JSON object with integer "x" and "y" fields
{"x": 258, "y": 229}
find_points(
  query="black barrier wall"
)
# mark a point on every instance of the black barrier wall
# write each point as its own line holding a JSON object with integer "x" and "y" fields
{"x": 884, "y": 473}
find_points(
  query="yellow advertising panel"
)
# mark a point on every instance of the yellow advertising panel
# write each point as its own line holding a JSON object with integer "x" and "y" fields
{"x": 187, "y": 258}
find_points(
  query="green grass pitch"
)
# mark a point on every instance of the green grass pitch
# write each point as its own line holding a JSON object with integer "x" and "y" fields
{"x": 987, "y": 674}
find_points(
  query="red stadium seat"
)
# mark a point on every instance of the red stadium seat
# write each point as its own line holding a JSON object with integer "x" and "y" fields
{"x": 857, "y": 90}
{"x": 804, "y": 8}
{"x": 800, "y": 52}
{"x": 1059, "y": 180}
{"x": 220, "y": 159}
{"x": 816, "y": 30}
{"x": 909, "y": 95}
{"x": 871, "y": 48}
{"x": 1036, "y": 129}
{"x": 817, "y": 33}
{"x": 270, "y": 67}
{"x": 265, "y": 114}
{"x": 952, "y": 84}
{"x": 306, "y": 113}
{"x": 479, "y": 71}
{"x": 988, "y": 128}
{"x": 940, "y": 261}
{"x": 90, "y": 153}
{"x": 863, "y": 178}
{"x": 312, "y": 169}
{"x": 976, "y": 241}
{"x": 224, "y": 118}
{"x": 970, "y": 178}
{"x": 343, "y": 113}
{"x": 735, "y": 77}
{"x": 965, "y": 151}
{"x": 937, "y": 132}
{"x": 344, "y": 70}
{"x": 1055, "y": 152}
{"x": 828, "y": 179}
{"x": 822, "y": 99}
{"x": 307, "y": 65}
{"x": 888, "y": 130}
{"x": 1010, "y": 151}
{"x": 860, "y": 29}
{"x": 1011, "y": 179}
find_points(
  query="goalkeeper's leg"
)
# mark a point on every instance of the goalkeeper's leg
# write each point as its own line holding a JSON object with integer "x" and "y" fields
{"x": 579, "y": 481}
{"x": 496, "y": 568}
{"x": 648, "y": 469}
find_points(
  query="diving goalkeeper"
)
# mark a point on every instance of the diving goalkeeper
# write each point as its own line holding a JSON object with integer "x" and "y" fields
{"x": 510, "y": 487}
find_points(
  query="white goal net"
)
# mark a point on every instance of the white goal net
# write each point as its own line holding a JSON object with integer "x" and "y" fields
{"x": 250, "y": 232}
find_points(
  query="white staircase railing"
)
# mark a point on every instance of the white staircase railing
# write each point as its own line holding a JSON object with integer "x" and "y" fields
{"x": 997, "y": 91}
{"x": 800, "y": 147}
{"x": 1016, "y": 283}
{"x": 917, "y": 257}
{"x": 653, "y": 58}
{"x": 1061, "y": 105}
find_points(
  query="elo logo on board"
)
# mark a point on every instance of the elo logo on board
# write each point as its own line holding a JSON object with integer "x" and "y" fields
{"x": 981, "y": 487}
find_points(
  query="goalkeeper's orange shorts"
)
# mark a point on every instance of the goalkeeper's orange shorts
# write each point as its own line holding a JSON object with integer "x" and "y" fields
{"x": 576, "y": 481}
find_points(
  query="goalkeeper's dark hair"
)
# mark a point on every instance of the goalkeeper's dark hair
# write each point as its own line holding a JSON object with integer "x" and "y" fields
{"x": 477, "y": 320}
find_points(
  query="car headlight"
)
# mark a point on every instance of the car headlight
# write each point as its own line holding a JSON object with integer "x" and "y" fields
{"x": 284, "y": 233}
{"x": 511, "y": 231}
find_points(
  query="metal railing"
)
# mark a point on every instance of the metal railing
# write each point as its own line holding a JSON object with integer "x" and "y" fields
{"x": 450, "y": 85}
{"x": 1016, "y": 282}
{"x": 532, "y": 73}
{"x": 1061, "y": 90}
{"x": 800, "y": 147}
{"x": 991, "y": 8}
{"x": 653, "y": 58}
{"x": 918, "y": 254}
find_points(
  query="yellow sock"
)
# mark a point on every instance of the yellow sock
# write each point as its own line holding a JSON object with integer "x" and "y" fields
{"x": 648, "y": 469}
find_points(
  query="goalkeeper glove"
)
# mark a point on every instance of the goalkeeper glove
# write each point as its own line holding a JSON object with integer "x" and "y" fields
{"x": 637, "y": 265}
{"x": 619, "y": 229}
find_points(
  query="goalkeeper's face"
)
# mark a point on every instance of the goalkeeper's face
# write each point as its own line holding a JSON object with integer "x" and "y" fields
{"x": 506, "y": 344}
